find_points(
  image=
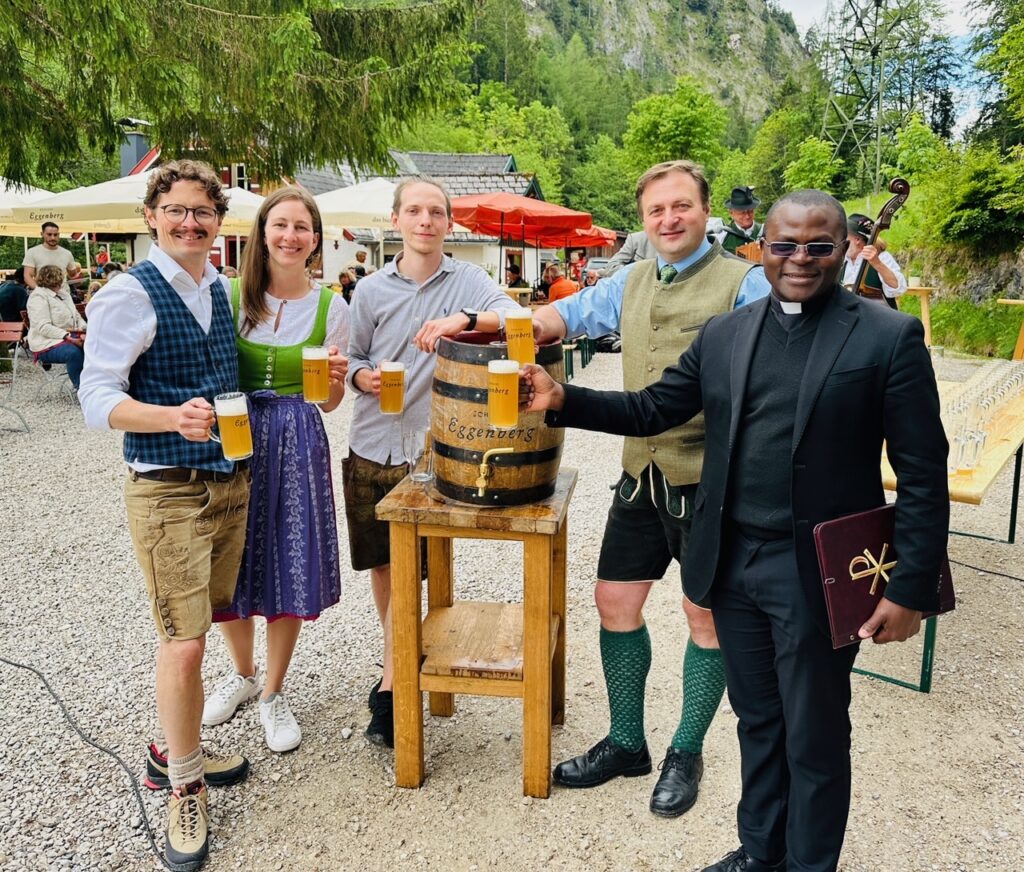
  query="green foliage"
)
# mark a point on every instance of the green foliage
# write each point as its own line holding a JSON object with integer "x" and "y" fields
{"x": 986, "y": 329}
{"x": 733, "y": 172}
{"x": 920, "y": 152}
{"x": 687, "y": 123}
{"x": 259, "y": 81}
{"x": 980, "y": 203}
{"x": 603, "y": 185}
{"x": 775, "y": 148}
{"x": 505, "y": 51}
{"x": 814, "y": 167}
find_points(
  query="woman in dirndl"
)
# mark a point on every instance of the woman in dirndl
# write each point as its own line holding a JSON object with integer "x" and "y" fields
{"x": 290, "y": 572}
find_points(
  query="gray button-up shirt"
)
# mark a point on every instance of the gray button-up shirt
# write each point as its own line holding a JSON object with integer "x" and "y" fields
{"x": 388, "y": 310}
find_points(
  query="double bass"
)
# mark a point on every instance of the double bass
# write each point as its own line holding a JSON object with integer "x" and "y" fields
{"x": 901, "y": 189}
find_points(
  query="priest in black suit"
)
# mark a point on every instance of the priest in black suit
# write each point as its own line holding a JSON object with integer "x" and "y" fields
{"x": 798, "y": 391}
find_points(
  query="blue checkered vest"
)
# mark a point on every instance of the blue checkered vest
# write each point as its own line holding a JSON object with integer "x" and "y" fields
{"x": 183, "y": 362}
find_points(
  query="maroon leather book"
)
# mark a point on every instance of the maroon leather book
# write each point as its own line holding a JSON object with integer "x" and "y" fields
{"x": 856, "y": 556}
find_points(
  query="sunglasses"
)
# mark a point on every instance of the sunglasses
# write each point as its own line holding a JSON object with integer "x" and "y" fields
{"x": 813, "y": 249}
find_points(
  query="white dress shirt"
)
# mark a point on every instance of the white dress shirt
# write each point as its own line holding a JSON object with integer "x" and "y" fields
{"x": 122, "y": 326}
{"x": 852, "y": 266}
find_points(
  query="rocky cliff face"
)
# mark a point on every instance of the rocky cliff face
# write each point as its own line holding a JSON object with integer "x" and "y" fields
{"x": 739, "y": 48}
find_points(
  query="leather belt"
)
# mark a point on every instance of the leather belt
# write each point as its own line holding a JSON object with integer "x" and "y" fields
{"x": 183, "y": 474}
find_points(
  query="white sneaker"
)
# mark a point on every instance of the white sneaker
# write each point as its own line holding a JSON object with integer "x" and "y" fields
{"x": 227, "y": 696}
{"x": 283, "y": 733}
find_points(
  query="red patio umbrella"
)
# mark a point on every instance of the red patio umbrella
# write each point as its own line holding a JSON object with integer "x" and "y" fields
{"x": 512, "y": 217}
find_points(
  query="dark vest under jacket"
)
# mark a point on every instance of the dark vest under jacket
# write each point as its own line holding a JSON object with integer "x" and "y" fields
{"x": 183, "y": 362}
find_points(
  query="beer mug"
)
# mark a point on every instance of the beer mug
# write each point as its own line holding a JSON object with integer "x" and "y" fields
{"x": 519, "y": 335}
{"x": 392, "y": 387}
{"x": 503, "y": 393}
{"x": 233, "y": 422}
{"x": 316, "y": 383}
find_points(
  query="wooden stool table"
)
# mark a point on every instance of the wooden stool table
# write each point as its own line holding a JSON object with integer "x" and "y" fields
{"x": 481, "y": 648}
{"x": 924, "y": 295}
{"x": 1018, "y": 351}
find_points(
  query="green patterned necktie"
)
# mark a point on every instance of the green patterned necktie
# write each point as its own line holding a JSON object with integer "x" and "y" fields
{"x": 667, "y": 273}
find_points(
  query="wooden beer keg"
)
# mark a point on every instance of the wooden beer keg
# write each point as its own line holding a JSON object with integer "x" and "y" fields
{"x": 461, "y": 432}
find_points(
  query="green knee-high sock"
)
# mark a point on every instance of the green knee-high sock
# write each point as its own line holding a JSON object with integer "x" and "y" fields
{"x": 703, "y": 686}
{"x": 626, "y": 658}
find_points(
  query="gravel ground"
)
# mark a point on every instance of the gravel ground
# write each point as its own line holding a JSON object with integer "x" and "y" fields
{"x": 938, "y": 779}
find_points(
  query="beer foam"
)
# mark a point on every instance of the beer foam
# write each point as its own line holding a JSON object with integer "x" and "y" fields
{"x": 524, "y": 312}
{"x": 503, "y": 367}
{"x": 234, "y": 404}
{"x": 314, "y": 352}
{"x": 392, "y": 366}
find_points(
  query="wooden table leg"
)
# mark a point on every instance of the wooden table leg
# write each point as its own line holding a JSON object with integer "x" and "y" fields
{"x": 558, "y": 561}
{"x": 537, "y": 558}
{"x": 926, "y": 318}
{"x": 440, "y": 593}
{"x": 1018, "y": 351}
{"x": 406, "y": 647}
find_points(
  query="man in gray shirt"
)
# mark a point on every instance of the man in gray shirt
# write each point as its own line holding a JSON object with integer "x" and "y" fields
{"x": 398, "y": 314}
{"x": 50, "y": 253}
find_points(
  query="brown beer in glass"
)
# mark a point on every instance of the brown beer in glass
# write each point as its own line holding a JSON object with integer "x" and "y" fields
{"x": 503, "y": 393}
{"x": 316, "y": 383}
{"x": 233, "y": 422}
{"x": 519, "y": 335}
{"x": 392, "y": 387}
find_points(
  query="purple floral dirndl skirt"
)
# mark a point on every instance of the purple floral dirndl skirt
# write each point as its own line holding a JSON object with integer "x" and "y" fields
{"x": 291, "y": 566}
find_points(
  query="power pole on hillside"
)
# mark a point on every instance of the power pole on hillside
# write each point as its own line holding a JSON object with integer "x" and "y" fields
{"x": 872, "y": 59}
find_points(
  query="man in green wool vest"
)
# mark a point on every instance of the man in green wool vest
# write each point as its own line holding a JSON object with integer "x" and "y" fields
{"x": 658, "y": 305}
{"x": 742, "y": 228}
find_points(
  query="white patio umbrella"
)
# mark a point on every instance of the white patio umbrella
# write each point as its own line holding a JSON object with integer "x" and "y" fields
{"x": 12, "y": 195}
{"x": 116, "y": 207}
{"x": 367, "y": 204}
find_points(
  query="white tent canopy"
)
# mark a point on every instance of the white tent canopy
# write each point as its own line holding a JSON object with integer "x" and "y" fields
{"x": 12, "y": 195}
{"x": 367, "y": 204}
{"x": 116, "y": 207}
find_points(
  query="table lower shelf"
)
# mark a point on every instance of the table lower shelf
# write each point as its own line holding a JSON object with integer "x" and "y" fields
{"x": 476, "y": 648}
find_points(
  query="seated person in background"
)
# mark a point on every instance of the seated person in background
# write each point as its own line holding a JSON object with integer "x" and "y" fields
{"x": 514, "y": 277}
{"x": 561, "y": 287}
{"x": 56, "y": 332}
{"x": 229, "y": 272}
{"x": 93, "y": 288}
{"x": 742, "y": 228}
{"x": 112, "y": 269}
{"x": 592, "y": 277}
{"x": 883, "y": 280}
{"x": 346, "y": 284}
{"x": 13, "y": 296}
{"x": 577, "y": 266}
{"x": 358, "y": 266}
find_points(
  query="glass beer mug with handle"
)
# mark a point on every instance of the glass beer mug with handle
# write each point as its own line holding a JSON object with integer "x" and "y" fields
{"x": 233, "y": 422}
{"x": 414, "y": 445}
{"x": 316, "y": 381}
{"x": 519, "y": 335}
{"x": 392, "y": 387}
{"x": 503, "y": 393}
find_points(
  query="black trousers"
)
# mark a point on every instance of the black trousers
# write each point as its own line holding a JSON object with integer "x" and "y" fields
{"x": 791, "y": 692}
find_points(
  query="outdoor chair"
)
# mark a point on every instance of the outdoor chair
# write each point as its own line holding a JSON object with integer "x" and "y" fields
{"x": 55, "y": 375}
{"x": 10, "y": 338}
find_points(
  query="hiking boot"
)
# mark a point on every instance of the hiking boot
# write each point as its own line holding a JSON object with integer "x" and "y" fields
{"x": 219, "y": 770}
{"x": 279, "y": 724}
{"x": 381, "y": 730}
{"x": 227, "y": 696}
{"x": 188, "y": 838}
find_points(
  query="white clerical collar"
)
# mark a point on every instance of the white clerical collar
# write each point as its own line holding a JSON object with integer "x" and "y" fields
{"x": 787, "y": 307}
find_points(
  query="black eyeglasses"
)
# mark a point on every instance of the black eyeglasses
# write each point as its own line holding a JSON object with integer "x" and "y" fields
{"x": 813, "y": 249}
{"x": 202, "y": 214}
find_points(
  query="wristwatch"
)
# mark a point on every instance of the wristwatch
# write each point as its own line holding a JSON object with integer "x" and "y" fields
{"x": 472, "y": 315}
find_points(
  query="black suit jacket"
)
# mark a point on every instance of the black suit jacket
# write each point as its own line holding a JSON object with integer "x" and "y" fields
{"x": 868, "y": 378}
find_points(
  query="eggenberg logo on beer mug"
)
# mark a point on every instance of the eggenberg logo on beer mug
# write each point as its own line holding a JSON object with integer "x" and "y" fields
{"x": 316, "y": 385}
{"x": 392, "y": 387}
{"x": 233, "y": 422}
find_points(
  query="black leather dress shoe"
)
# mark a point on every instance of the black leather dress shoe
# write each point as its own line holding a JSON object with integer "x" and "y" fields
{"x": 741, "y": 861}
{"x": 606, "y": 760}
{"x": 676, "y": 790}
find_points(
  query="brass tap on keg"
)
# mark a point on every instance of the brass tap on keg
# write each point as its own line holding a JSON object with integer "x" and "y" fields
{"x": 485, "y": 468}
